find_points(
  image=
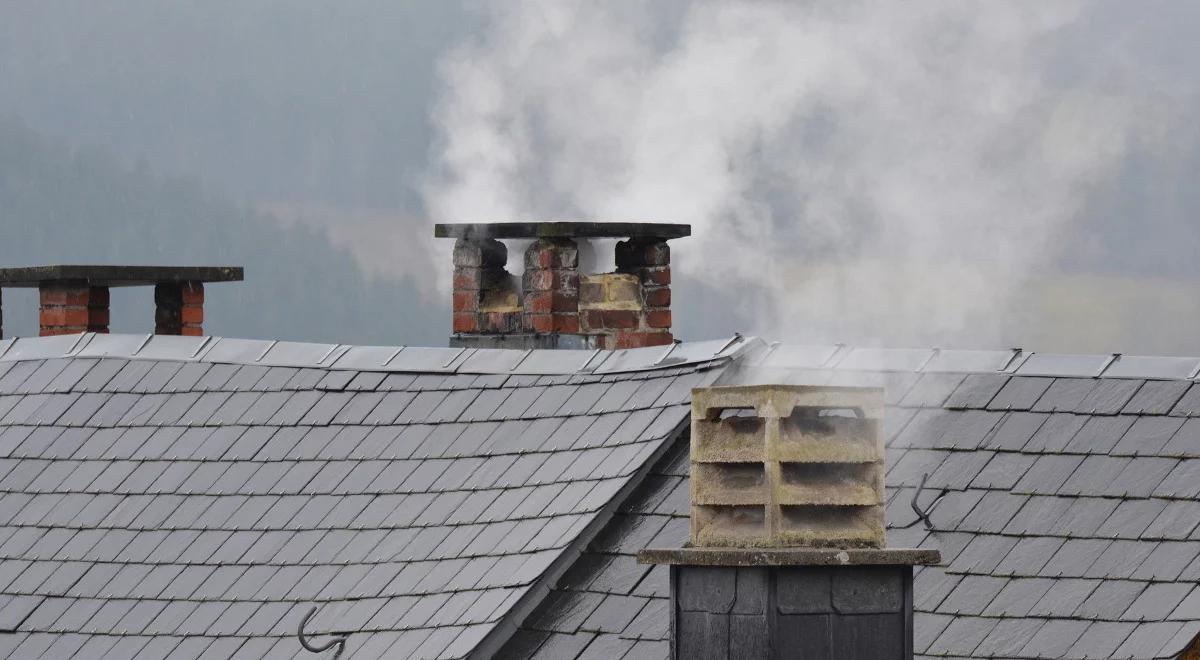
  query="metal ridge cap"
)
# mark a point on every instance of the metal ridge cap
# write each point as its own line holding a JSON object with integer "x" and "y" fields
{"x": 740, "y": 351}
{"x": 227, "y": 350}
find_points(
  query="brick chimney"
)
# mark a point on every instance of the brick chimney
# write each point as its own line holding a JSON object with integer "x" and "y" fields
{"x": 553, "y": 304}
{"x": 787, "y": 551}
{"x": 74, "y": 299}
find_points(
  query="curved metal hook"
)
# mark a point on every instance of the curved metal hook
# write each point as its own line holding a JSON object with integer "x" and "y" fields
{"x": 922, "y": 514}
{"x": 339, "y": 641}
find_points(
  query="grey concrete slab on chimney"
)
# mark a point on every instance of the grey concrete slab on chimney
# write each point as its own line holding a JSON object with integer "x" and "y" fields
{"x": 789, "y": 556}
{"x": 102, "y": 275}
{"x": 562, "y": 230}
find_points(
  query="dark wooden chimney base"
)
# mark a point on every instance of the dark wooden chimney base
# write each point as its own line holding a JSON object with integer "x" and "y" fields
{"x": 791, "y": 603}
{"x": 807, "y": 613}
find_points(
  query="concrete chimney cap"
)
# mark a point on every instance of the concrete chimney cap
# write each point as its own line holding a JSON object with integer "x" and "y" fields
{"x": 108, "y": 275}
{"x": 480, "y": 230}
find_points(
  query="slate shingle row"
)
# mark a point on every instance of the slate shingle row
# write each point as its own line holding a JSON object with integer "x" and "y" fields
{"x": 1065, "y": 512}
{"x": 196, "y": 509}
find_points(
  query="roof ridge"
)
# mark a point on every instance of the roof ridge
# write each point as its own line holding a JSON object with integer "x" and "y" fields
{"x": 413, "y": 359}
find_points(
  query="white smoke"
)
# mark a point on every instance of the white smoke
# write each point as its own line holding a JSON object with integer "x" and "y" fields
{"x": 871, "y": 171}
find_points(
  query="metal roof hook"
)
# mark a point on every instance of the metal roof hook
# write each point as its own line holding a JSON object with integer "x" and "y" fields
{"x": 339, "y": 640}
{"x": 922, "y": 514}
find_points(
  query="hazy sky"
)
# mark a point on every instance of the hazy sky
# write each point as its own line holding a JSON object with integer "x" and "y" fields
{"x": 917, "y": 173}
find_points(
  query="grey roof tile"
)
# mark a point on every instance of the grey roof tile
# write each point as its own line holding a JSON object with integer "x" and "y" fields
{"x": 72, "y": 373}
{"x": 1028, "y": 556}
{"x": 1141, "y": 477}
{"x": 1065, "y": 597}
{"x": 1157, "y": 602}
{"x": 1018, "y": 596}
{"x": 98, "y": 377}
{"x": 972, "y": 594}
{"x": 1147, "y": 640}
{"x": 293, "y": 409}
{"x": 1019, "y": 393}
{"x": 234, "y": 408}
{"x": 1131, "y": 518}
{"x": 1176, "y": 521}
{"x": 1147, "y": 436}
{"x": 1109, "y": 396}
{"x": 1084, "y": 516}
{"x": 959, "y": 469}
{"x": 1065, "y": 395}
{"x": 187, "y": 377}
{"x": 39, "y": 380}
{"x": 157, "y": 377}
{"x": 1074, "y": 557}
{"x": 1101, "y": 639}
{"x": 976, "y": 391}
{"x": 1100, "y": 434}
{"x": 1015, "y": 431}
{"x": 962, "y": 636}
{"x": 1008, "y": 637}
{"x": 1185, "y": 442}
{"x": 1002, "y": 470}
{"x": 1056, "y": 433}
{"x": 1048, "y": 474}
{"x": 1167, "y": 561}
{"x": 992, "y": 512}
{"x": 1156, "y": 397}
{"x": 216, "y": 378}
{"x": 1054, "y": 638}
{"x": 17, "y": 373}
{"x": 1110, "y": 599}
{"x": 1120, "y": 559}
{"x": 1182, "y": 481}
{"x": 1187, "y": 406}
{"x": 1094, "y": 475}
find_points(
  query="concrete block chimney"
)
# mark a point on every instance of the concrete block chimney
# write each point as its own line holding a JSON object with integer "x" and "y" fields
{"x": 553, "y": 304}
{"x": 74, "y": 299}
{"x": 787, "y": 555}
{"x": 778, "y": 466}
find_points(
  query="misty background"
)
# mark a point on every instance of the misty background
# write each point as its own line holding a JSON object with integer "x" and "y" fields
{"x": 921, "y": 174}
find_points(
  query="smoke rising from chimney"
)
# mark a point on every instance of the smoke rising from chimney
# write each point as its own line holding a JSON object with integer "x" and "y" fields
{"x": 872, "y": 172}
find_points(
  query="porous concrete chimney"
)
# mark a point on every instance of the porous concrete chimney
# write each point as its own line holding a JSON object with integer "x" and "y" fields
{"x": 787, "y": 555}
{"x": 553, "y": 304}
{"x": 74, "y": 299}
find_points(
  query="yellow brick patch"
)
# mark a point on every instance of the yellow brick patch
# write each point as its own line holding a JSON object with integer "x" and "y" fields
{"x": 610, "y": 291}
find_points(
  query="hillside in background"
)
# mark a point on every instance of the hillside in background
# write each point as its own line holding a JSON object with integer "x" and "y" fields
{"x": 63, "y": 205}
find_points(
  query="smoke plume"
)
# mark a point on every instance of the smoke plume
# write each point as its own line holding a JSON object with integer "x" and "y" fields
{"x": 856, "y": 171}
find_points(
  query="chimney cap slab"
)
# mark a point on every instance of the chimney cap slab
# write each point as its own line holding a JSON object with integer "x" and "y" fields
{"x": 478, "y": 230}
{"x": 790, "y": 556}
{"x": 35, "y": 276}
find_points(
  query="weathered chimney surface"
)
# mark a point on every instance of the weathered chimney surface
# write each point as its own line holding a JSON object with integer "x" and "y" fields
{"x": 553, "y": 304}
{"x": 787, "y": 556}
{"x": 75, "y": 298}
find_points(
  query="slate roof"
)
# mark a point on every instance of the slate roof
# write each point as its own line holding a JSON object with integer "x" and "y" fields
{"x": 1064, "y": 505}
{"x": 190, "y": 497}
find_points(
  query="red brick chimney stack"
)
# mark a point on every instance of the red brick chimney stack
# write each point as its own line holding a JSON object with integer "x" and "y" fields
{"x": 555, "y": 305}
{"x": 69, "y": 307}
{"x": 74, "y": 299}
